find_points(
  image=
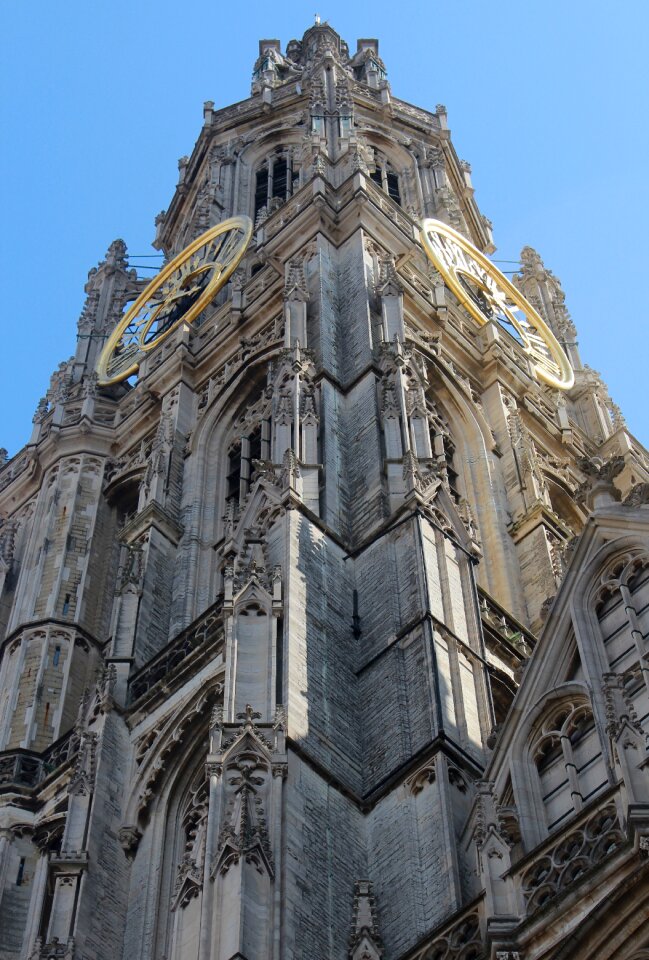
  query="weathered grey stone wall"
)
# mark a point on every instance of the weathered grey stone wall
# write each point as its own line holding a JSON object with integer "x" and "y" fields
{"x": 15, "y": 896}
{"x": 362, "y": 458}
{"x": 325, "y": 854}
{"x": 155, "y": 603}
{"x": 101, "y": 915}
{"x": 411, "y": 862}
{"x": 321, "y": 651}
{"x": 398, "y": 707}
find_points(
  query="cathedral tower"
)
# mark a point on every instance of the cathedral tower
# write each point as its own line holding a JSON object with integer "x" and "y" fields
{"x": 324, "y": 619}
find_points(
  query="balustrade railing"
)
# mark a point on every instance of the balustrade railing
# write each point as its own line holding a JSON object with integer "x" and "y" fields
{"x": 27, "y": 768}
{"x": 505, "y": 625}
{"x": 559, "y": 865}
{"x": 203, "y": 633}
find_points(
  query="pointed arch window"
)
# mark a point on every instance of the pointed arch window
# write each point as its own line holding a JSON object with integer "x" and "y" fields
{"x": 386, "y": 178}
{"x": 182, "y": 867}
{"x": 444, "y": 451}
{"x": 241, "y": 456}
{"x": 451, "y": 472}
{"x": 276, "y": 179}
{"x": 622, "y": 609}
{"x": 569, "y": 761}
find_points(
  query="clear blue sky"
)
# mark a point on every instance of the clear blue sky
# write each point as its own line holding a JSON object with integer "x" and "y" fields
{"x": 546, "y": 100}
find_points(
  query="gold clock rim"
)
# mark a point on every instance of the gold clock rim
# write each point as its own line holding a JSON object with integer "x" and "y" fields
{"x": 557, "y": 351}
{"x": 242, "y": 223}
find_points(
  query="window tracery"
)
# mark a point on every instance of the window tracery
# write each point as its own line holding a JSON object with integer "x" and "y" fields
{"x": 569, "y": 761}
{"x": 191, "y": 858}
{"x": 241, "y": 457}
{"x": 250, "y": 442}
{"x": 385, "y": 177}
{"x": 276, "y": 179}
{"x": 622, "y": 609}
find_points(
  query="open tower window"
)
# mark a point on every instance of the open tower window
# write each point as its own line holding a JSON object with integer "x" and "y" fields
{"x": 275, "y": 181}
{"x": 385, "y": 177}
{"x": 241, "y": 456}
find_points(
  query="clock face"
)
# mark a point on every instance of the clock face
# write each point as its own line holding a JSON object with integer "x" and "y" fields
{"x": 488, "y": 295}
{"x": 181, "y": 291}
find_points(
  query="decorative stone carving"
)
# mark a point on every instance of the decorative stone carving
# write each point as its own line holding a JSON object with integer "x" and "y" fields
{"x": 418, "y": 780}
{"x": 83, "y": 776}
{"x": 250, "y": 762}
{"x": 638, "y": 496}
{"x": 129, "y": 837}
{"x": 295, "y": 287}
{"x": 54, "y": 949}
{"x": 364, "y": 943}
{"x": 598, "y": 487}
{"x": 389, "y": 283}
{"x": 492, "y": 818}
{"x": 193, "y": 825}
{"x": 543, "y": 290}
{"x": 159, "y": 747}
{"x": 461, "y": 939}
{"x": 573, "y": 855}
{"x": 619, "y": 709}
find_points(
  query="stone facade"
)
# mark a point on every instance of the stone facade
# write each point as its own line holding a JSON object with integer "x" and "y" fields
{"x": 327, "y": 637}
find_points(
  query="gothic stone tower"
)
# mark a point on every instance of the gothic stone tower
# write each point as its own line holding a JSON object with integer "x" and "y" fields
{"x": 325, "y": 637}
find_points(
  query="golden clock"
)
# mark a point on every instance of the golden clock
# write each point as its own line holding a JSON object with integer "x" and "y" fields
{"x": 483, "y": 290}
{"x": 178, "y": 294}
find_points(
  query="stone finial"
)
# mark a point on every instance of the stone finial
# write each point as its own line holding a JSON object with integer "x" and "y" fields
{"x": 598, "y": 489}
{"x": 116, "y": 255}
{"x": 249, "y": 716}
{"x": 533, "y": 277}
{"x": 619, "y": 708}
{"x": 41, "y": 410}
{"x": 389, "y": 283}
{"x": 295, "y": 285}
{"x": 365, "y": 943}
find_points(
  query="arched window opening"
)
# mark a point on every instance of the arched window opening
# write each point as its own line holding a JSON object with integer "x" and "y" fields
{"x": 233, "y": 477}
{"x": 386, "y": 179}
{"x": 563, "y": 505}
{"x": 183, "y": 869}
{"x": 622, "y": 609}
{"x": 193, "y": 820}
{"x": 451, "y": 472}
{"x": 618, "y": 641}
{"x": 280, "y": 178}
{"x": 639, "y": 589}
{"x": 275, "y": 181}
{"x": 503, "y": 690}
{"x": 242, "y": 453}
{"x": 261, "y": 189}
{"x": 124, "y": 498}
{"x": 569, "y": 762}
